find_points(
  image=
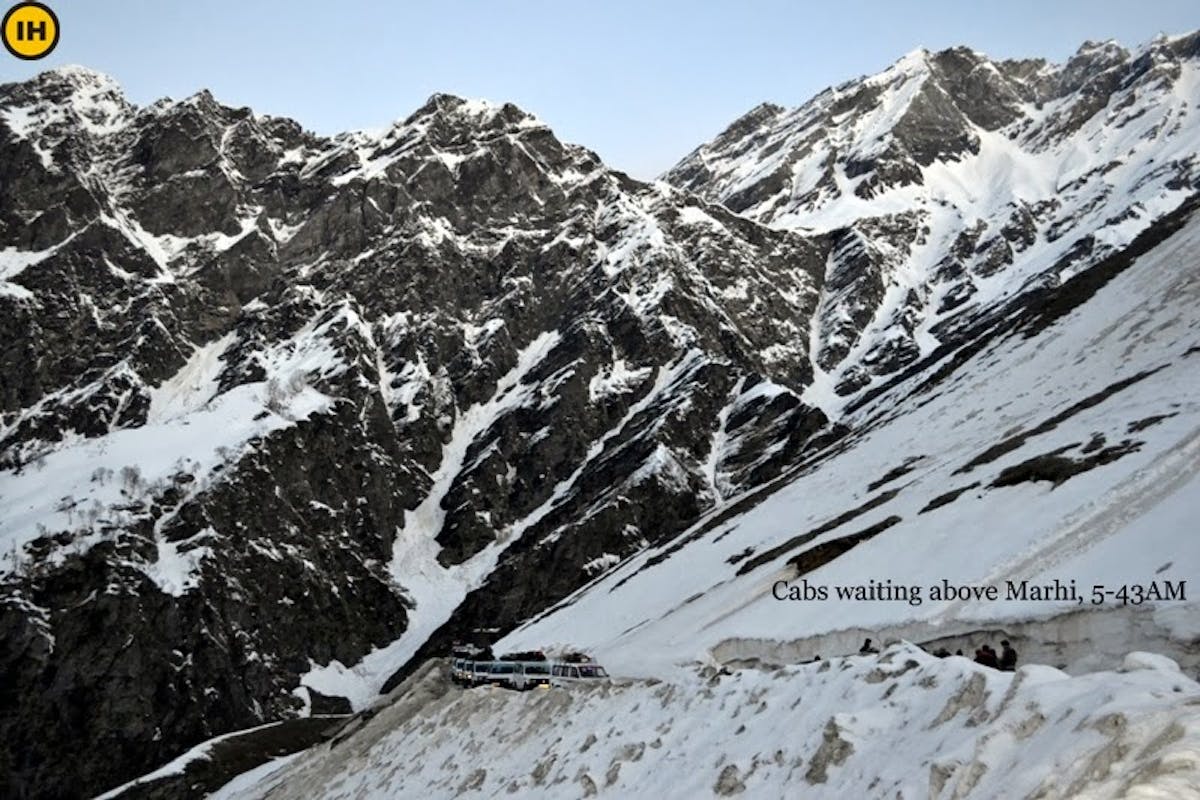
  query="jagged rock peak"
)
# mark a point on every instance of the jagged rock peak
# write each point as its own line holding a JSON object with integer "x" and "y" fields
{"x": 69, "y": 87}
{"x": 72, "y": 77}
{"x": 915, "y": 60}
{"x": 1185, "y": 45}
{"x": 751, "y": 120}
{"x": 1093, "y": 58}
{"x": 65, "y": 99}
{"x": 1107, "y": 47}
{"x": 447, "y": 112}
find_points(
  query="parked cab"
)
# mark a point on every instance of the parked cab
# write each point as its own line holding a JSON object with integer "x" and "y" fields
{"x": 532, "y": 675}
{"x": 520, "y": 675}
{"x": 567, "y": 674}
{"x": 465, "y": 672}
{"x": 478, "y": 673}
{"x": 498, "y": 673}
{"x": 524, "y": 671}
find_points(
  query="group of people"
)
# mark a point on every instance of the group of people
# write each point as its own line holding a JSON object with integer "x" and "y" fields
{"x": 1006, "y": 660}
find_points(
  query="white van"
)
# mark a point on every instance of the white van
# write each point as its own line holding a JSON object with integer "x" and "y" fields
{"x": 520, "y": 675}
{"x": 531, "y": 675}
{"x": 564, "y": 674}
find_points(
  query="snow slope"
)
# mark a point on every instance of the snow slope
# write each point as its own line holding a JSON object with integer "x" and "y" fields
{"x": 901, "y": 725}
{"x": 725, "y": 703}
{"x": 91, "y": 486}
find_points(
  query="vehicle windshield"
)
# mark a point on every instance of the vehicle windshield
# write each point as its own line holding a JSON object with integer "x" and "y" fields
{"x": 592, "y": 671}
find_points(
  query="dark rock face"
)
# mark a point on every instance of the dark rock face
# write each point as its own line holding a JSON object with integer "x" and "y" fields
{"x": 96, "y": 652}
{"x": 982, "y": 92}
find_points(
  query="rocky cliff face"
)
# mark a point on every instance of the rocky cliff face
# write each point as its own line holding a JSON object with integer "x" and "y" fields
{"x": 272, "y": 402}
{"x": 280, "y": 412}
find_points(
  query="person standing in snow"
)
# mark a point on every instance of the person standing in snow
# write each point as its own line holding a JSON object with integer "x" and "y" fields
{"x": 867, "y": 649}
{"x": 987, "y": 656}
{"x": 1008, "y": 657}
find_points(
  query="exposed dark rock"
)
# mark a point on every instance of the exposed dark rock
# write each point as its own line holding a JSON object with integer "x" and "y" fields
{"x": 231, "y": 757}
{"x": 805, "y": 538}
{"x": 947, "y": 498}
{"x": 360, "y": 301}
{"x": 1058, "y": 469}
{"x": 821, "y": 554}
{"x": 1137, "y": 426}
{"x": 895, "y": 473}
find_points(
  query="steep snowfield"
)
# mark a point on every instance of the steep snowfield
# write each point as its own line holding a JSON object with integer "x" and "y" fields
{"x": 900, "y": 725}
{"x": 434, "y": 589}
{"x": 1117, "y": 376}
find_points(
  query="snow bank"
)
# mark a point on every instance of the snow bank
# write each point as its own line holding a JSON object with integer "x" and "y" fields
{"x": 902, "y": 725}
{"x": 1137, "y": 660}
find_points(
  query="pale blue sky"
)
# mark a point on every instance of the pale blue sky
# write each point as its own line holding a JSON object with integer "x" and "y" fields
{"x": 641, "y": 83}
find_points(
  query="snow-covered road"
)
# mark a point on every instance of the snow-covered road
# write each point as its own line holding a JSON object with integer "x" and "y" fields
{"x": 902, "y": 725}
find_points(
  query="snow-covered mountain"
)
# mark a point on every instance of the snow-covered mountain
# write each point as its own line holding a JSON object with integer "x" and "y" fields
{"x": 283, "y": 415}
{"x": 951, "y": 182}
{"x": 274, "y": 403}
